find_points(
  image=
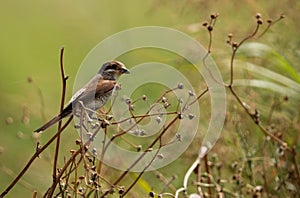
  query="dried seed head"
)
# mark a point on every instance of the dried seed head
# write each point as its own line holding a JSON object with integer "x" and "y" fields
{"x": 142, "y": 133}
{"x": 180, "y": 100}
{"x": 151, "y": 194}
{"x": 258, "y": 189}
{"x": 180, "y": 116}
{"x": 269, "y": 21}
{"x": 9, "y": 120}
{"x": 144, "y": 97}
{"x": 284, "y": 146}
{"x": 160, "y": 156}
{"x": 94, "y": 125}
{"x": 180, "y": 86}
{"x": 234, "y": 44}
{"x": 121, "y": 189}
{"x": 149, "y": 150}
{"x": 20, "y": 134}
{"x": 94, "y": 150}
{"x": 166, "y": 105}
{"x": 72, "y": 151}
{"x": 105, "y": 123}
{"x": 29, "y": 79}
{"x": 191, "y": 116}
{"x": 178, "y": 137}
{"x": 109, "y": 117}
{"x": 259, "y": 21}
{"x": 191, "y": 93}
{"x": 205, "y": 24}
{"x": 230, "y": 35}
{"x": 158, "y": 119}
{"x": 213, "y": 16}
{"x": 136, "y": 132}
{"x": 234, "y": 164}
{"x": 128, "y": 101}
{"x": 234, "y": 177}
{"x": 210, "y": 28}
{"x": 25, "y": 119}
{"x": 131, "y": 107}
{"x": 78, "y": 142}
{"x": 139, "y": 148}
{"x": 258, "y": 16}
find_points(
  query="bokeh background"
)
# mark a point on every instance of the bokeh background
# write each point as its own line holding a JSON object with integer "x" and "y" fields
{"x": 33, "y": 32}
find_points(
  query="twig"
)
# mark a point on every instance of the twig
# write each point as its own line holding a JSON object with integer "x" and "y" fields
{"x": 198, "y": 97}
{"x": 143, "y": 154}
{"x": 254, "y": 118}
{"x": 294, "y": 153}
{"x": 63, "y": 94}
{"x": 143, "y": 171}
{"x": 34, "y": 194}
{"x": 270, "y": 23}
{"x": 208, "y": 173}
{"x": 235, "y": 47}
{"x": 35, "y": 155}
{"x": 50, "y": 191}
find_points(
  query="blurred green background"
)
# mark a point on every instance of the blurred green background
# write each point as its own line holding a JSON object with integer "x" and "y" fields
{"x": 32, "y": 33}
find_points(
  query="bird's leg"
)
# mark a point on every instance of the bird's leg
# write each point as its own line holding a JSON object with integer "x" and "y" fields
{"x": 84, "y": 114}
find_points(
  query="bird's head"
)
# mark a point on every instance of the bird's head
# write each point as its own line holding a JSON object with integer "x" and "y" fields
{"x": 113, "y": 69}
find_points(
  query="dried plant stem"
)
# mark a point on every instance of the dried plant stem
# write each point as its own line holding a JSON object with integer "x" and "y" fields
{"x": 198, "y": 97}
{"x": 275, "y": 138}
{"x": 141, "y": 173}
{"x": 62, "y": 102}
{"x": 34, "y": 194}
{"x": 165, "y": 181}
{"x": 51, "y": 190}
{"x": 271, "y": 23}
{"x": 35, "y": 155}
{"x": 235, "y": 49}
{"x": 208, "y": 173}
{"x": 99, "y": 165}
{"x": 294, "y": 153}
{"x": 143, "y": 154}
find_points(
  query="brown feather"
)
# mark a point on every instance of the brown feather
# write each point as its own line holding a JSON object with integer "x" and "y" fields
{"x": 96, "y": 88}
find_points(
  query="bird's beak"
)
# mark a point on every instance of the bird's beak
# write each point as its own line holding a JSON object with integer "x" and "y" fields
{"x": 125, "y": 71}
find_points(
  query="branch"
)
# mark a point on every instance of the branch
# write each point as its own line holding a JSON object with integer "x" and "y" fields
{"x": 35, "y": 155}
{"x": 63, "y": 94}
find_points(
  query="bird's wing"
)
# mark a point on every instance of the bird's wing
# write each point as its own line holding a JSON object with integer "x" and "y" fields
{"x": 105, "y": 86}
{"x": 77, "y": 94}
{"x": 96, "y": 87}
{"x": 81, "y": 92}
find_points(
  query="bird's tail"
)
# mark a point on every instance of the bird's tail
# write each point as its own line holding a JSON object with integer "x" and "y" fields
{"x": 67, "y": 111}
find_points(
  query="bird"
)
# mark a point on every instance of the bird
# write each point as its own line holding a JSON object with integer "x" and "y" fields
{"x": 95, "y": 93}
